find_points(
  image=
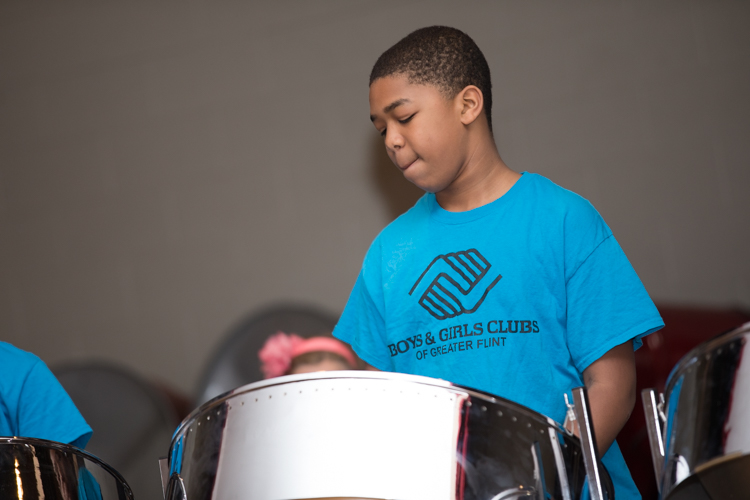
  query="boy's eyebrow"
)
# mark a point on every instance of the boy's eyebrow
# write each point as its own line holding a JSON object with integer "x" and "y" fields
{"x": 392, "y": 106}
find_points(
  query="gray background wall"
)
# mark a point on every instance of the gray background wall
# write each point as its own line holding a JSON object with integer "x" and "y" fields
{"x": 167, "y": 167}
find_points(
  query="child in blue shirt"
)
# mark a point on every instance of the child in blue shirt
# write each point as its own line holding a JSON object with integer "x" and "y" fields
{"x": 33, "y": 404}
{"x": 496, "y": 280}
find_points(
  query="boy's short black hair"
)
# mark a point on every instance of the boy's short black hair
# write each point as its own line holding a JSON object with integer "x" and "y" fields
{"x": 441, "y": 56}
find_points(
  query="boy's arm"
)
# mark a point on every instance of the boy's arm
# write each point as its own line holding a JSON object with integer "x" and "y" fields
{"x": 610, "y": 382}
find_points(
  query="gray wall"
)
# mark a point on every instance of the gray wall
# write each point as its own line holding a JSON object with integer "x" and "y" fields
{"x": 166, "y": 167}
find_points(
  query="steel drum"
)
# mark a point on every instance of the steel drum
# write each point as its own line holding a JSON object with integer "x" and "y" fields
{"x": 374, "y": 435}
{"x": 36, "y": 469}
{"x": 700, "y": 428}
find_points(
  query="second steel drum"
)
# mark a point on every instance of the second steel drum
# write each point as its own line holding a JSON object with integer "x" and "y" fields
{"x": 36, "y": 469}
{"x": 700, "y": 430}
{"x": 370, "y": 435}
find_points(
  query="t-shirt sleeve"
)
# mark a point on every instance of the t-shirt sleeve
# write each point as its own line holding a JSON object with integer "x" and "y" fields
{"x": 607, "y": 305}
{"x": 362, "y": 324}
{"x": 45, "y": 410}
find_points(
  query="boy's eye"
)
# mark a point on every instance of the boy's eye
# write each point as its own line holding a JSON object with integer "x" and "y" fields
{"x": 407, "y": 119}
{"x": 382, "y": 133}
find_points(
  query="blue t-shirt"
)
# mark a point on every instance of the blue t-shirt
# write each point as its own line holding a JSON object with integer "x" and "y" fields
{"x": 33, "y": 403}
{"x": 515, "y": 298}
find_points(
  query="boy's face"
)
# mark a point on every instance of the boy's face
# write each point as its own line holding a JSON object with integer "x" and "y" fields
{"x": 423, "y": 132}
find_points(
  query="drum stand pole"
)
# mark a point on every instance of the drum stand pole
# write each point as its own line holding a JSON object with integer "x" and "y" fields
{"x": 588, "y": 442}
{"x": 164, "y": 470}
{"x": 653, "y": 410}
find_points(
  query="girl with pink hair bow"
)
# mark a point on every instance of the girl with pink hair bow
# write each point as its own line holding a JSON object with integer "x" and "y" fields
{"x": 287, "y": 354}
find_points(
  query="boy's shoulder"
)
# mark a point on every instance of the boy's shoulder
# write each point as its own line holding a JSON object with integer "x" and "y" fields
{"x": 547, "y": 204}
{"x": 413, "y": 217}
{"x": 15, "y": 366}
{"x": 545, "y": 191}
{"x": 13, "y": 358}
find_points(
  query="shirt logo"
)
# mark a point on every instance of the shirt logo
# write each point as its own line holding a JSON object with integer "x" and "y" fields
{"x": 452, "y": 284}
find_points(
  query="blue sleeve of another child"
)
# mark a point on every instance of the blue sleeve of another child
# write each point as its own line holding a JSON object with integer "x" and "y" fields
{"x": 45, "y": 410}
{"x": 607, "y": 305}
{"x": 362, "y": 324}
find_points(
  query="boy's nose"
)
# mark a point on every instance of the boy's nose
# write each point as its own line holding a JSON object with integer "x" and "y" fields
{"x": 393, "y": 140}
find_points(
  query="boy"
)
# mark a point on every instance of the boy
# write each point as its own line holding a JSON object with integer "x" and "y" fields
{"x": 495, "y": 280}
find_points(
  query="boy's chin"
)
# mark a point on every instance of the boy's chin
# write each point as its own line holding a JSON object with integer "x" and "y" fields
{"x": 421, "y": 183}
{"x": 427, "y": 187}
{"x": 424, "y": 187}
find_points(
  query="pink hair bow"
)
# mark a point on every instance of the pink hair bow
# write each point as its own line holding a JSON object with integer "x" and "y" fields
{"x": 276, "y": 354}
{"x": 281, "y": 348}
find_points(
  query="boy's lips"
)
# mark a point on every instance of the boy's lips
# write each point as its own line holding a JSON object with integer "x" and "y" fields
{"x": 407, "y": 165}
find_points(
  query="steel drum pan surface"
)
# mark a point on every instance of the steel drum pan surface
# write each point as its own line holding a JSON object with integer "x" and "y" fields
{"x": 706, "y": 418}
{"x": 36, "y": 469}
{"x": 370, "y": 435}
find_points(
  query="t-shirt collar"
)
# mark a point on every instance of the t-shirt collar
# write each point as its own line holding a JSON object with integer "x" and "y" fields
{"x": 440, "y": 214}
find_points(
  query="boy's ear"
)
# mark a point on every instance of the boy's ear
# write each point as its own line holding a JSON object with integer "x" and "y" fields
{"x": 472, "y": 103}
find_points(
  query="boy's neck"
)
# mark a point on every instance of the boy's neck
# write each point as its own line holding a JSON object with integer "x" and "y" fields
{"x": 484, "y": 179}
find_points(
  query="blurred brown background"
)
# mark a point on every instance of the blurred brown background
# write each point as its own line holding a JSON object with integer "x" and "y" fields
{"x": 167, "y": 167}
